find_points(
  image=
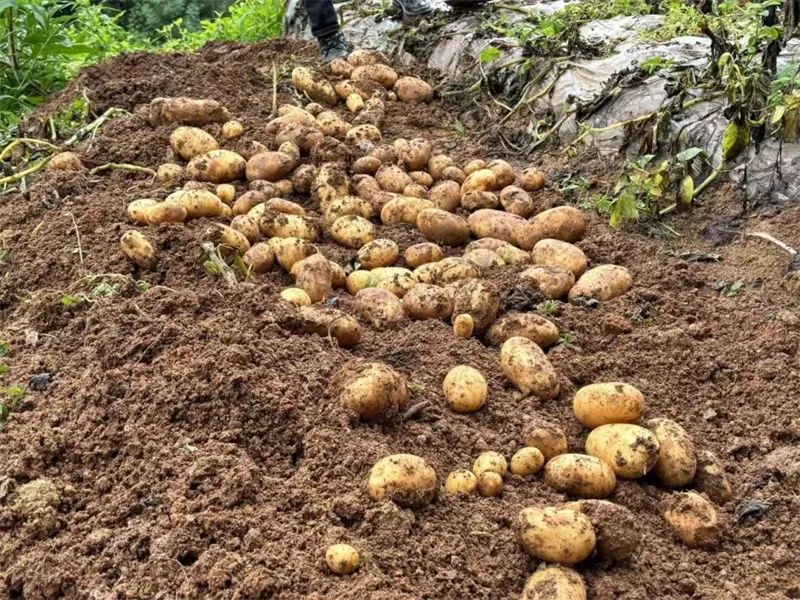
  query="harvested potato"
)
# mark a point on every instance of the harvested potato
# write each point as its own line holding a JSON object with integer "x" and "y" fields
{"x": 365, "y": 132}
{"x": 197, "y": 185}
{"x": 437, "y": 164}
{"x": 618, "y": 534}
{"x": 169, "y": 174}
{"x": 268, "y": 188}
{"x": 580, "y": 475}
{"x": 269, "y": 166}
{"x": 482, "y": 180}
{"x": 490, "y": 461}
{"x": 442, "y": 227}
{"x": 353, "y": 231}
{"x": 285, "y": 206}
{"x": 425, "y": 301}
{"x": 313, "y": 275}
{"x": 189, "y": 142}
{"x": 314, "y": 108}
{"x": 395, "y": 279}
{"x": 331, "y": 124}
{"x": 420, "y": 254}
{"x": 186, "y": 110}
{"x": 490, "y": 484}
{"x": 166, "y": 212}
{"x": 379, "y": 307}
{"x": 455, "y": 268}
{"x": 554, "y": 583}
{"x": 631, "y": 450}
{"x": 405, "y": 479}
{"x": 532, "y": 179}
{"x": 527, "y": 367}
{"x": 502, "y": 226}
{"x": 373, "y": 113}
{"x": 404, "y": 209}
{"x": 326, "y": 322}
{"x": 296, "y": 296}
{"x": 275, "y": 224}
{"x": 331, "y": 183}
{"x": 413, "y": 90}
{"x": 364, "y": 56}
{"x": 378, "y": 253}
{"x": 710, "y": 478}
{"x": 527, "y": 325}
{"x": 303, "y": 177}
{"x": 384, "y": 153}
{"x": 290, "y": 250}
{"x": 454, "y": 174}
{"x": 138, "y": 249}
{"x": 446, "y": 195}
{"x": 421, "y": 178}
{"x": 137, "y": 210}
{"x": 199, "y": 203}
{"x": 257, "y": 212}
{"x": 247, "y": 201}
{"x": 527, "y": 461}
{"x": 341, "y": 206}
{"x": 217, "y": 166}
{"x": 484, "y": 259}
{"x": 341, "y": 67}
{"x": 367, "y": 165}
{"x": 415, "y": 190}
{"x": 226, "y": 192}
{"x": 461, "y": 481}
{"x": 486, "y": 244}
{"x": 314, "y": 85}
{"x": 693, "y": 519}
{"x": 253, "y": 148}
{"x": 304, "y": 137}
{"x": 474, "y": 165}
{"x": 367, "y": 187}
{"x": 553, "y": 282}
{"x": 463, "y": 326}
{"x": 227, "y": 237}
{"x": 556, "y": 535}
{"x": 354, "y": 102}
{"x": 677, "y": 459}
{"x": 428, "y": 273}
{"x": 512, "y": 255}
{"x": 358, "y": 280}
{"x": 366, "y": 88}
{"x": 604, "y": 403}
{"x": 392, "y": 178}
{"x": 464, "y": 388}
{"x": 232, "y": 130}
{"x": 479, "y": 300}
{"x": 553, "y": 253}
{"x": 260, "y": 258}
{"x": 503, "y": 172}
{"x": 373, "y": 391}
{"x": 477, "y": 200}
{"x": 290, "y": 149}
{"x": 377, "y": 72}
{"x": 292, "y": 116}
{"x": 413, "y": 154}
{"x": 517, "y": 201}
{"x": 602, "y": 283}
{"x": 342, "y": 559}
{"x": 546, "y": 436}
{"x": 564, "y": 223}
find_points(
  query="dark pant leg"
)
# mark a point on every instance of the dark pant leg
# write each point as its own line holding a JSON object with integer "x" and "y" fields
{"x": 322, "y": 15}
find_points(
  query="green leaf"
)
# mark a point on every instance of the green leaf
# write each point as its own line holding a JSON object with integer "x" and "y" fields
{"x": 687, "y": 190}
{"x": 689, "y": 154}
{"x": 780, "y": 110}
{"x": 5, "y": 348}
{"x": 488, "y": 54}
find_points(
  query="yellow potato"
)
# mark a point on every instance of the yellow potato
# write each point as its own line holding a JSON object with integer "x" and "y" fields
{"x": 415, "y": 191}
{"x": 331, "y": 182}
{"x": 303, "y": 177}
{"x": 303, "y": 137}
{"x": 217, "y": 166}
{"x": 630, "y": 450}
{"x": 464, "y": 388}
{"x": 338, "y": 276}
{"x": 260, "y": 258}
{"x": 379, "y": 73}
{"x": 474, "y": 165}
{"x": 546, "y": 436}
{"x": 446, "y": 195}
{"x": 392, "y": 178}
{"x": 373, "y": 391}
{"x": 553, "y": 253}
{"x": 527, "y": 325}
{"x": 332, "y": 210}
{"x": 482, "y": 180}
{"x": 353, "y": 231}
{"x": 404, "y": 209}
{"x": 314, "y": 85}
{"x": 484, "y": 259}
{"x": 137, "y": 210}
{"x": 290, "y": 250}
{"x": 437, "y": 164}
{"x": 367, "y": 187}
{"x": 342, "y": 559}
{"x": 527, "y": 461}
{"x": 442, "y": 227}
{"x": 693, "y": 519}
{"x": 425, "y": 301}
{"x": 169, "y": 174}
{"x": 166, "y": 212}
{"x": 421, "y": 178}
{"x": 502, "y": 226}
{"x": 527, "y": 367}
{"x": 226, "y": 192}
{"x": 420, "y": 254}
{"x": 618, "y": 534}
{"x": 532, "y": 179}
{"x": 461, "y": 481}
{"x": 427, "y": 274}
{"x": 275, "y": 224}
{"x": 477, "y": 200}
{"x": 198, "y": 203}
{"x": 490, "y": 461}
{"x": 232, "y": 130}
{"x": 453, "y": 173}
{"x": 367, "y": 165}
{"x": 463, "y": 326}
{"x": 330, "y": 150}
{"x": 296, "y": 296}
{"x": 364, "y": 56}
{"x": 285, "y": 206}
{"x": 553, "y": 282}
{"x": 341, "y": 67}
{"x": 405, "y": 479}
{"x": 189, "y": 142}
{"x": 453, "y": 269}
{"x": 365, "y": 132}
{"x": 395, "y": 279}
{"x": 710, "y": 478}
{"x": 512, "y": 255}
{"x": 290, "y": 149}
{"x": 479, "y": 300}
{"x": 269, "y": 166}
{"x": 554, "y": 583}
{"x": 556, "y": 535}
{"x": 602, "y": 283}
{"x": 331, "y": 124}
{"x": 247, "y": 201}
{"x": 358, "y": 280}
{"x": 366, "y": 88}
{"x": 138, "y": 249}
{"x": 290, "y": 116}
{"x": 490, "y": 484}
{"x": 379, "y": 307}
{"x": 564, "y": 223}
{"x": 313, "y": 275}
{"x": 327, "y": 323}
{"x": 413, "y": 90}
{"x": 354, "y": 102}
{"x": 65, "y": 161}
{"x": 186, "y": 110}
{"x": 313, "y": 108}
{"x": 580, "y": 475}
{"x": 503, "y": 172}
{"x": 677, "y": 459}
{"x": 378, "y": 253}
{"x": 518, "y": 202}
{"x": 413, "y": 154}
{"x": 227, "y": 237}
{"x": 605, "y": 403}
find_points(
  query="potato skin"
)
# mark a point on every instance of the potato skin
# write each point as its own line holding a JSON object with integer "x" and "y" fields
{"x": 313, "y": 275}
{"x": 290, "y": 250}
{"x": 378, "y": 253}
{"x": 259, "y": 258}
{"x": 553, "y": 282}
{"x": 275, "y": 224}
{"x": 404, "y": 209}
{"x": 463, "y": 326}
{"x": 189, "y": 142}
{"x": 536, "y": 328}
{"x": 564, "y": 223}
{"x": 446, "y": 195}
{"x": 326, "y": 322}
{"x": 693, "y": 519}
{"x": 557, "y": 535}
{"x": 677, "y": 459}
{"x": 405, "y": 479}
{"x": 474, "y": 165}
{"x": 423, "y": 253}
{"x": 618, "y": 534}
{"x": 605, "y": 403}
{"x": 169, "y": 174}
{"x": 554, "y": 583}
{"x": 269, "y": 166}
{"x": 532, "y": 179}
{"x": 553, "y": 253}
{"x": 379, "y": 307}
{"x": 353, "y": 231}
{"x": 437, "y": 164}
{"x": 373, "y": 391}
{"x": 485, "y": 260}
{"x": 490, "y": 461}
{"x": 630, "y": 450}
{"x": 478, "y": 199}
{"x": 465, "y": 389}
{"x": 376, "y": 72}
{"x": 461, "y": 481}
{"x": 490, "y": 484}
{"x": 137, "y": 210}
{"x": 482, "y": 180}
{"x": 527, "y": 461}
{"x": 517, "y": 201}
{"x": 443, "y": 227}
{"x": 332, "y": 210}
{"x": 395, "y": 279}
{"x": 138, "y": 249}
{"x": 342, "y": 559}
{"x": 314, "y": 85}
{"x": 166, "y": 212}
{"x": 392, "y": 178}
{"x": 479, "y": 300}
{"x": 425, "y": 301}
{"x": 295, "y": 296}
{"x": 503, "y": 226}
{"x": 367, "y": 165}
{"x": 217, "y": 166}
{"x": 548, "y": 437}
{"x": 528, "y": 368}
{"x": 413, "y": 90}
{"x": 602, "y": 283}
{"x": 580, "y": 475}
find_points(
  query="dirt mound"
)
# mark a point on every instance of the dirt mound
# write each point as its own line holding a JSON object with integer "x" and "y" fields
{"x": 183, "y": 444}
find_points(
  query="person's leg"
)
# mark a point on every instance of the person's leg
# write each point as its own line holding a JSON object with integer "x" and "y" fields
{"x": 325, "y": 27}
{"x": 414, "y": 8}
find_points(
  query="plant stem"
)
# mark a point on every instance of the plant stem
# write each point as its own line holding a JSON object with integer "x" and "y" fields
{"x": 122, "y": 167}
{"x": 12, "y": 39}
{"x": 31, "y": 141}
{"x": 94, "y": 125}
{"x": 23, "y": 174}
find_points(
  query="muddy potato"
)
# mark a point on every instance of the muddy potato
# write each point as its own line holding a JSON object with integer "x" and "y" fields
{"x": 413, "y": 154}
{"x": 554, "y": 583}
{"x": 395, "y": 279}
{"x": 247, "y": 201}
{"x": 313, "y": 275}
{"x": 527, "y": 461}
{"x": 345, "y": 205}
{"x": 531, "y": 326}
{"x": 464, "y": 388}
{"x": 296, "y": 296}
{"x": 302, "y": 136}
{"x": 384, "y": 153}
{"x": 341, "y": 67}
{"x": 502, "y": 226}
{"x": 166, "y": 212}
{"x": 477, "y": 200}
{"x": 169, "y": 174}
{"x": 367, "y": 187}
{"x": 485, "y": 260}
{"x": 446, "y": 195}
{"x": 291, "y": 250}
{"x": 474, "y": 165}
{"x": 427, "y": 274}
{"x": 605, "y": 403}
{"x": 290, "y": 149}
{"x": 364, "y": 56}
{"x": 564, "y": 223}
{"x": 226, "y": 192}
{"x": 421, "y": 178}
{"x": 331, "y": 124}
{"x": 269, "y": 166}
{"x": 503, "y": 172}
{"x": 185, "y": 110}
{"x": 618, "y": 534}
{"x": 420, "y": 254}
{"x": 342, "y": 559}
{"x": 232, "y": 130}
{"x": 415, "y": 190}
{"x": 456, "y": 268}
{"x": 630, "y": 450}
{"x": 289, "y": 115}
{"x": 197, "y": 185}
{"x": 392, "y": 178}
{"x": 677, "y": 459}
{"x": 373, "y": 391}
{"x": 379, "y": 307}
{"x": 710, "y": 478}
{"x": 404, "y": 209}
{"x": 275, "y": 224}
{"x": 602, "y": 283}
{"x": 227, "y": 237}
{"x": 285, "y": 187}
{"x": 259, "y": 258}
{"x": 556, "y": 535}
{"x": 546, "y": 436}
{"x": 353, "y": 231}
{"x": 437, "y": 164}
{"x": 405, "y": 479}
{"x": 365, "y": 132}
{"x": 377, "y": 72}
{"x": 453, "y": 173}
{"x": 373, "y": 113}
{"x": 367, "y": 165}
{"x": 378, "y": 253}
{"x": 285, "y": 206}
{"x": 478, "y": 299}
{"x": 517, "y": 201}
{"x": 217, "y": 166}
{"x": 189, "y": 142}
{"x": 554, "y": 253}
{"x": 512, "y": 255}
{"x": 303, "y": 177}
{"x": 553, "y": 282}
{"x": 314, "y": 85}
{"x": 413, "y": 90}
{"x": 327, "y": 323}
{"x": 482, "y": 180}
{"x": 366, "y": 88}
{"x": 490, "y": 484}
{"x": 257, "y": 212}
{"x": 527, "y": 367}
{"x": 693, "y": 519}
{"x": 443, "y": 227}
{"x": 358, "y": 280}
{"x": 425, "y": 301}
{"x": 138, "y": 249}
{"x": 268, "y": 188}
{"x": 461, "y": 481}
{"x": 580, "y": 475}
{"x": 137, "y": 210}
{"x": 463, "y": 326}
{"x": 490, "y": 461}
{"x": 531, "y": 179}
{"x": 199, "y": 203}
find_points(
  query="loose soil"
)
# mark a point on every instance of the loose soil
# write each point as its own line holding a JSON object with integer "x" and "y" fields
{"x": 197, "y": 449}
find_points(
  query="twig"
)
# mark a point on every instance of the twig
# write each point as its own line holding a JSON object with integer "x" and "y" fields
{"x": 95, "y": 125}
{"x": 122, "y": 167}
{"x": 765, "y": 236}
{"x": 78, "y": 235}
{"x": 414, "y": 410}
{"x": 30, "y": 141}
{"x": 552, "y": 130}
{"x": 274, "y": 89}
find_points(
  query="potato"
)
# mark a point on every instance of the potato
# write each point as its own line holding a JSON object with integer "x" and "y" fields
{"x": 461, "y": 481}
{"x": 502, "y": 226}
{"x": 341, "y": 67}
{"x": 677, "y": 459}
{"x": 463, "y": 326}
{"x": 363, "y": 132}
{"x": 454, "y": 174}
{"x": 198, "y": 203}
{"x": 405, "y": 479}
{"x": 553, "y": 253}
{"x": 553, "y": 282}
{"x": 289, "y": 149}
{"x": 226, "y": 192}
{"x": 564, "y": 223}
{"x": 342, "y": 559}
{"x": 286, "y": 207}
{"x": 580, "y": 475}
{"x": 268, "y": 188}
{"x": 232, "y": 130}
{"x": 512, "y": 255}
{"x": 303, "y": 177}
{"x": 373, "y": 113}
{"x": 404, "y": 209}
{"x": 527, "y": 325}
{"x": 247, "y": 201}
{"x": 441, "y": 226}
{"x": 186, "y": 110}
{"x": 602, "y": 283}
{"x": 482, "y": 180}
{"x": 379, "y": 307}
{"x": 138, "y": 249}
{"x": 413, "y": 90}
{"x": 503, "y": 172}
{"x": 428, "y": 273}
{"x": 554, "y": 583}
{"x": 314, "y": 108}
{"x": 486, "y": 244}
{"x": 275, "y": 224}
{"x": 313, "y": 275}
{"x": 304, "y": 137}
{"x": 314, "y": 85}
{"x": 378, "y": 253}
{"x": 395, "y": 279}
{"x": 367, "y": 187}
{"x": 490, "y": 484}
{"x": 353, "y": 231}
{"x": 256, "y": 213}
{"x": 437, "y": 164}
{"x": 358, "y": 280}
{"x": 531, "y": 179}
{"x": 392, "y": 178}
{"x": 413, "y": 154}
{"x": 618, "y": 534}
{"x": 169, "y": 174}
{"x": 477, "y": 200}
{"x": 425, "y": 301}
{"x": 527, "y": 461}
{"x": 517, "y": 201}
{"x": 260, "y": 258}
{"x": 484, "y": 259}
{"x": 556, "y": 535}
{"x": 368, "y": 165}
{"x": 454, "y": 268}
{"x": 197, "y": 185}
{"x": 420, "y": 254}
{"x": 252, "y": 148}
{"x": 296, "y": 296}
{"x": 414, "y": 190}
{"x": 379, "y": 73}
{"x": 474, "y": 165}
{"x": 527, "y": 367}
{"x": 227, "y": 237}
{"x": 331, "y": 183}
{"x": 189, "y": 142}
{"x": 366, "y": 88}
{"x": 284, "y": 187}
{"x": 693, "y": 519}
{"x": 354, "y": 102}
{"x": 345, "y": 205}
{"x": 490, "y": 461}
{"x": 710, "y": 478}
{"x": 631, "y": 450}
{"x": 290, "y": 250}
{"x": 137, "y": 210}
{"x": 546, "y": 436}
{"x": 479, "y": 300}
{"x": 464, "y": 388}
{"x": 421, "y": 178}
{"x": 446, "y": 195}
{"x": 269, "y": 166}
{"x": 373, "y": 391}
{"x": 217, "y": 166}
{"x": 605, "y": 403}
{"x": 331, "y": 124}
{"x": 166, "y": 212}
{"x": 364, "y": 56}
{"x": 326, "y": 322}
{"x": 292, "y": 116}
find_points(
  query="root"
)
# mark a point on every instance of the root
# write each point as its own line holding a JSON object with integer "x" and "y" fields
{"x": 122, "y": 167}
{"x": 767, "y": 237}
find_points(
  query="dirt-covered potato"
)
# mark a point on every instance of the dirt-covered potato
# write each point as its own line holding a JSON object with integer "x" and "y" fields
{"x": 333, "y": 210}
{"x": 677, "y": 459}
{"x": 618, "y": 534}
{"x": 474, "y": 165}
{"x": 384, "y": 153}
{"x": 313, "y": 108}
{"x": 710, "y": 478}
{"x": 437, "y": 164}
{"x": 137, "y": 210}
{"x": 404, "y": 209}
{"x": 405, "y": 479}
{"x": 169, "y": 174}
{"x": 446, "y": 195}
{"x": 330, "y": 183}
{"x": 546, "y": 436}
{"x": 461, "y": 481}
{"x": 358, "y": 280}
{"x": 534, "y": 327}
{"x": 367, "y": 165}
{"x": 138, "y": 249}
{"x": 232, "y": 130}
{"x": 199, "y": 203}
{"x": 605, "y": 403}
{"x": 554, "y": 253}
{"x": 392, "y": 178}
{"x": 353, "y": 231}
{"x": 379, "y": 73}
{"x": 327, "y": 323}
{"x": 527, "y": 461}
{"x": 303, "y": 136}
{"x": 553, "y": 282}
{"x": 527, "y": 367}
{"x": 217, "y": 166}
{"x": 354, "y": 102}
{"x": 414, "y": 154}
{"x": 517, "y": 201}
{"x": 415, "y": 191}
{"x": 275, "y": 224}
{"x": 425, "y": 301}
{"x": 580, "y": 475}
{"x": 602, "y": 283}
{"x": 453, "y": 173}
{"x": 269, "y": 166}
{"x": 564, "y": 223}
{"x": 482, "y": 180}
{"x": 630, "y": 450}
{"x": 290, "y": 250}
{"x": 490, "y": 461}
{"x": 367, "y": 187}
{"x": 284, "y": 187}
{"x": 378, "y": 253}
{"x": 379, "y": 307}
{"x": 285, "y": 206}
{"x": 166, "y": 212}
{"x": 331, "y": 124}
{"x": 363, "y": 56}
{"x": 512, "y": 255}
{"x": 531, "y": 179}
{"x": 395, "y": 279}
{"x": 303, "y": 177}
{"x": 478, "y": 299}
{"x": 485, "y": 260}
{"x": 314, "y": 85}
{"x": 289, "y": 149}
{"x": 373, "y": 113}
{"x": 366, "y": 88}
{"x": 247, "y": 201}
{"x": 464, "y": 388}
{"x": 227, "y": 237}
{"x": 556, "y": 535}
{"x": 363, "y": 132}
{"x": 189, "y": 142}
{"x": 477, "y": 200}
{"x": 413, "y": 89}
{"x": 342, "y": 559}
{"x": 427, "y": 273}
{"x": 296, "y": 296}
{"x": 456, "y": 268}
{"x": 186, "y": 110}
{"x": 693, "y": 519}
{"x": 503, "y": 172}
{"x": 247, "y": 226}
{"x": 443, "y": 227}
{"x": 226, "y": 192}
{"x": 260, "y": 258}
{"x": 421, "y": 178}
{"x": 420, "y": 254}
{"x": 463, "y": 326}
{"x": 313, "y": 275}
{"x": 490, "y": 484}
{"x": 503, "y": 226}
{"x": 373, "y": 391}
{"x": 554, "y": 583}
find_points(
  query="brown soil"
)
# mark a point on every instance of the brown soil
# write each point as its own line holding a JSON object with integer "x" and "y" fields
{"x": 197, "y": 449}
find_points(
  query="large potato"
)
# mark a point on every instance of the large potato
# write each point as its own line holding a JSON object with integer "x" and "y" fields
{"x": 138, "y": 249}
{"x": 269, "y": 166}
{"x": 404, "y": 209}
{"x": 453, "y": 269}
{"x": 413, "y": 89}
{"x": 482, "y": 180}
{"x": 446, "y": 195}
{"x": 556, "y": 535}
{"x": 618, "y": 534}
{"x": 338, "y": 207}
{"x": 580, "y": 475}
{"x": 527, "y": 367}
{"x": 228, "y": 238}
{"x": 302, "y": 136}
{"x": 604, "y": 403}
{"x": 464, "y": 388}
{"x": 395, "y": 279}
{"x": 512, "y": 255}
{"x": 367, "y": 165}
{"x": 527, "y": 325}
{"x": 380, "y": 73}
{"x": 259, "y": 258}
{"x": 564, "y": 223}
{"x": 532, "y": 179}
{"x": 554, "y": 583}
{"x": 248, "y": 201}
{"x": 217, "y": 166}
{"x": 553, "y": 282}
{"x": 443, "y": 227}
{"x": 677, "y": 459}
{"x": 502, "y": 226}
{"x": 421, "y": 178}
{"x": 332, "y": 125}
{"x": 453, "y": 173}
{"x": 546, "y": 436}
{"x": 275, "y": 224}
{"x": 373, "y": 391}
{"x": 379, "y": 307}
{"x": 313, "y": 275}
{"x": 414, "y": 154}
{"x": 485, "y": 260}
{"x": 693, "y": 519}
{"x": 363, "y": 56}
{"x": 392, "y": 178}
{"x": 247, "y": 226}
{"x": 478, "y": 199}
{"x": 189, "y": 142}
{"x": 425, "y": 301}
{"x": 553, "y": 253}
{"x": 405, "y": 479}
{"x": 314, "y": 85}
{"x": 710, "y": 478}
{"x": 378, "y": 253}
{"x": 504, "y": 173}
{"x": 291, "y": 250}
{"x": 330, "y": 183}
{"x": 199, "y": 203}
{"x": 166, "y": 212}
{"x": 602, "y": 283}
{"x": 353, "y": 231}
{"x": 517, "y": 201}
{"x": 420, "y": 254}
{"x": 477, "y": 299}
{"x": 630, "y": 450}
{"x": 365, "y": 132}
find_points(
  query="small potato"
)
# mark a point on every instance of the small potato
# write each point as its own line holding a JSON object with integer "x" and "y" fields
{"x": 331, "y": 183}
{"x": 553, "y": 253}
{"x": 327, "y": 323}
{"x": 677, "y": 459}
{"x": 482, "y": 180}
{"x": 313, "y": 275}
{"x": 604, "y": 403}
{"x": 268, "y": 188}
{"x": 275, "y": 224}
{"x": 404, "y": 209}
{"x": 367, "y": 187}
{"x": 446, "y": 195}
{"x": 478, "y": 299}
{"x": 373, "y": 391}
{"x": 341, "y": 67}
{"x": 286, "y": 207}
{"x": 490, "y": 461}
{"x": 512, "y": 255}
{"x": 358, "y": 280}
{"x": 461, "y": 481}
{"x": 420, "y": 254}
{"x": 453, "y": 173}
{"x": 303, "y": 177}
{"x": 380, "y": 308}
{"x": 232, "y": 130}
{"x": 490, "y": 484}
{"x": 631, "y": 450}
{"x": 503, "y": 172}
{"x": 138, "y": 249}
{"x": 602, "y": 283}
{"x": 354, "y": 102}
{"x": 366, "y": 132}
{"x": 331, "y": 124}
{"x": 554, "y": 583}
{"x": 693, "y": 519}
{"x": 166, "y": 212}
{"x": 65, "y": 161}
{"x": 413, "y": 90}
{"x": 527, "y": 325}
{"x": 421, "y": 178}
{"x": 546, "y": 436}
{"x": 366, "y": 88}
{"x": 553, "y": 282}
{"x": 527, "y": 367}
{"x": 169, "y": 174}
{"x": 260, "y": 258}
{"x": 289, "y": 149}
{"x": 247, "y": 201}
{"x": 532, "y": 179}
{"x": 405, "y": 479}
{"x": 314, "y": 85}
{"x": 580, "y": 475}
{"x": 556, "y": 535}
{"x": 364, "y": 56}
{"x": 303, "y": 136}
{"x": 137, "y": 210}
{"x": 291, "y": 250}
{"x": 379, "y": 73}
{"x": 296, "y": 296}
{"x": 478, "y": 199}
{"x": 425, "y": 301}
{"x": 464, "y": 388}
{"x": 353, "y": 231}
{"x": 442, "y": 227}
{"x": 474, "y": 165}
{"x": 395, "y": 279}
{"x": 710, "y": 478}
{"x": 502, "y": 226}
{"x": 228, "y": 238}
{"x": 226, "y": 192}
{"x": 252, "y": 148}
{"x": 486, "y": 244}
{"x": 269, "y": 166}
{"x": 314, "y": 108}
{"x": 338, "y": 276}
{"x": 199, "y": 203}
{"x": 463, "y": 326}
{"x": 189, "y": 142}
{"x": 618, "y": 534}
{"x": 345, "y": 205}
{"x": 517, "y": 201}
{"x": 564, "y": 223}
{"x": 342, "y": 559}
{"x": 367, "y": 165}
{"x": 453, "y": 269}
{"x": 385, "y": 153}
{"x": 437, "y": 164}
{"x": 217, "y": 166}
{"x": 392, "y": 178}
{"x": 485, "y": 260}
{"x": 415, "y": 190}
{"x": 527, "y": 461}
{"x": 378, "y": 253}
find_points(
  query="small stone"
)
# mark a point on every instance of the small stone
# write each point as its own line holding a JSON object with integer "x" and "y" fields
{"x": 40, "y": 382}
{"x": 687, "y": 586}
{"x": 787, "y": 317}
{"x": 616, "y": 325}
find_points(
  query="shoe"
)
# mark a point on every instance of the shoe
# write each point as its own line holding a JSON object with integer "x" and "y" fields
{"x": 414, "y": 8}
{"x": 333, "y": 47}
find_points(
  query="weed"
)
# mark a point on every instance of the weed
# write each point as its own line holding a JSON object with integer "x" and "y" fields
{"x": 73, "y": 301}
{"x": 460, "y": 128}
{"x": 4, "y": 412}
{"x": 489, "y": 54}
{"x": 731, "y": 289}
{"x": 5, "y": 256}
{"x": 105, "y": 290}
{"x": 5, "y": 348}
{"x": 15, "y": 394}
{"x": 640, "y": 189}
{"x": 680, "y": 19}
{"x": 142, "y": 286}
{"x": 549, "y": 307}
{"x": 566, "y": 339}
{"x": 654, "y": 64}
{"x": 3, "y": 369}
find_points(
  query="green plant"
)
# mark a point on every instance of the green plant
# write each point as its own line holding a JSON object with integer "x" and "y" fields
{"x": 105, "y": 290}
{"x": 5, "y": 348}
{"x": 142, "y": 286}
{"x": 548, "y": 307}
{"x": 654, "y": 64}
{"x": 640, "y": 189}
{"x": 489, "y": 54}
{"x": 3, "y": 369}
{"x": 731, "y": 289}
{"x": 73, "y": 301}
{"x": 15, "y": 395}
{"x": 566, "y": 339}
{"x": 681, "y": 18}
